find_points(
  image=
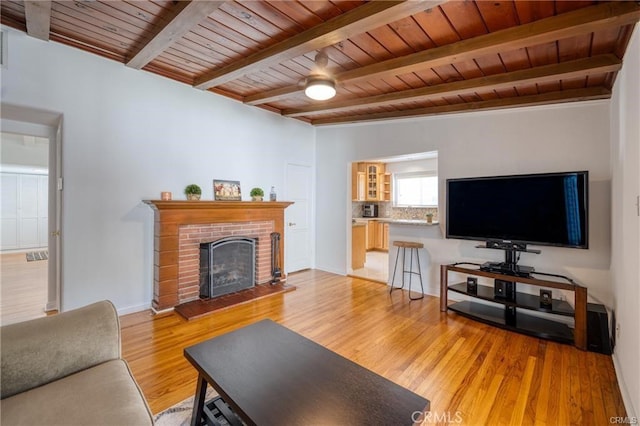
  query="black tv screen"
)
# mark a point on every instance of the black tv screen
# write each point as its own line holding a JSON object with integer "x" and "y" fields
{"x": 540, "y": 209}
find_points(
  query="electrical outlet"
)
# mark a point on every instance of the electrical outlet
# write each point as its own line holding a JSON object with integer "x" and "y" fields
{"x": 617, "y": 331}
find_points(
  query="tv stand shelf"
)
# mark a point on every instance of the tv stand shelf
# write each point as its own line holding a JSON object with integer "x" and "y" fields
{"x": 510, "y": 314}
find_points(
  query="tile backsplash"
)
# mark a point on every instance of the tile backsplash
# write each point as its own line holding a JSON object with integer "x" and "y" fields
{"x": 414, "y": 213}
{"x": 386, "y": 210}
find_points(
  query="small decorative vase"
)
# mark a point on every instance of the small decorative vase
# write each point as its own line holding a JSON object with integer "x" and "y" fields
{"x": 256, "y": 198}
{"x": 193, "y": 197}
{"x": 429, "y": 218}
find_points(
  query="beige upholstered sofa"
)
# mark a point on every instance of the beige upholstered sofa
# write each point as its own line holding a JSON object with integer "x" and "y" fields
{"x": 66, "y": 369}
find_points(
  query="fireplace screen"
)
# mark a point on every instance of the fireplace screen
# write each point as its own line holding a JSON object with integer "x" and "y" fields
{"x": 227, "y": 265}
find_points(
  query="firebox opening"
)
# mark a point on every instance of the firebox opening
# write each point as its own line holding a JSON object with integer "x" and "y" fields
{"x": 227, "y": 265}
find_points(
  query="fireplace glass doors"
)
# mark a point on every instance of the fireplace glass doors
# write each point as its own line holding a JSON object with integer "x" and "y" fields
{"x": 227, "y": 265}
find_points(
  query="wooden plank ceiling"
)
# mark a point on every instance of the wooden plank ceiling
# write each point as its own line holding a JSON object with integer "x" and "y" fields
{"x": 390, "y": 59}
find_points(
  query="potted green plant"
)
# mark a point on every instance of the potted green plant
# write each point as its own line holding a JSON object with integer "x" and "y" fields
{"x": 256, "y": 194}
{"x": 429, "y": 217}
{"x": 193, "y": 192}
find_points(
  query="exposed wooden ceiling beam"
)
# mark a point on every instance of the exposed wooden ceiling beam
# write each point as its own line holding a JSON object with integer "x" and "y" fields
{"x": 38, "y": 17}
{"x": 370, "y": 15}
{"x": 578, "y": 22}
{"x": 184, "y": 17}
{"x": 601, "y": 64}
{"x": 573, "y": 95}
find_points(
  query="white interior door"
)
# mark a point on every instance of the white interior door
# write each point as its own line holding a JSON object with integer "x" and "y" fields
{"x": 9, "y": 212}
{"x": 298, "y": 252}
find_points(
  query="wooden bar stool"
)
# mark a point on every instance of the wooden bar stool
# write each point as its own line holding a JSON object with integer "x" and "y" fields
{"x": 412, "y": 246}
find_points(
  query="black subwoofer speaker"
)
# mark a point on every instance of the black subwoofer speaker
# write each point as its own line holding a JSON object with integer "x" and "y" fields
{"x": 598, "y": 338}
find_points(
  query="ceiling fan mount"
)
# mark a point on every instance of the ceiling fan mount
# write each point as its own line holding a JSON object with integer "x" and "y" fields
{"x": 320, "y": 86}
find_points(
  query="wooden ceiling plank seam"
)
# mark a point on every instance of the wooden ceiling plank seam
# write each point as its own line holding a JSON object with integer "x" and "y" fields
{"x": 274, "y": 16}
{"x": 108, "y": 12}
{"x": 89, "y": 24}
{"x": 465, "y": 18}
{"x": 208, "y": 47}
{"x": 203, "y": 33}
{"x": 576, "y": 95}
{"x": 186, "y": 17}
{"x": 240, "y": 12}
{"x": 390, "y": 40}
{"x": 221, "y": 30}
{"x": 91, "y": 48}
{"x": 298, "y": 13}
{"x": 498, "y": 15}
{"x": 192, "y": 63}
{"x": 599, "y": 64}
{"x": 623, "y": 41}
{"x": 260, "y": 39}
{"x": 38, "y": 18}
{"x": 356, "y": 21}
{"x": 14, "y": 22}
{"x": 102, "y": 42}
{"x": 72, "y": 15}
{"x": 560, "y": 26}
{"x": 408, "y": 30}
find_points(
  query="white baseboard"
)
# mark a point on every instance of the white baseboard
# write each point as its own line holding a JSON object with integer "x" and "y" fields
{"x": 626, "y": 397}
{"x": 333, "y": 271}
{"x": 133, "y": 309}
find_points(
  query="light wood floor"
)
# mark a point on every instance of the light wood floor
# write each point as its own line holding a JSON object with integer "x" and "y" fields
{"x": 23, "y": 288}
{"x": 481, "y": 374}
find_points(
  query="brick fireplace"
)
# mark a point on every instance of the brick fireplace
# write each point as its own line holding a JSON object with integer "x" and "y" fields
{"x": 180, "y": 227}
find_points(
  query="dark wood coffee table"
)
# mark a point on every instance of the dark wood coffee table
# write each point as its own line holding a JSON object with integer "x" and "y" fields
{"x": 270, "y": 375}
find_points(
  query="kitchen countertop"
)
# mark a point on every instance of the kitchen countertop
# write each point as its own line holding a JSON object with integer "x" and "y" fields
{"x": 420, "y": 222}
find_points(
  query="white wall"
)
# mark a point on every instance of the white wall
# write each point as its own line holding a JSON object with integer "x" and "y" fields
{"x": 127, "y": 136}
{"x": 541, "y": 139}
{"x": 24, "y": 150}
{"x": 625, "y": 251}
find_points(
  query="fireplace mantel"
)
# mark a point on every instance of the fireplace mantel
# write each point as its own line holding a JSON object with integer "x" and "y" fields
{"x": 170, "y": 215}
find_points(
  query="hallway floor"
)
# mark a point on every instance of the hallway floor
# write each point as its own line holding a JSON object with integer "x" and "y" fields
{"x": 23, "y": 288}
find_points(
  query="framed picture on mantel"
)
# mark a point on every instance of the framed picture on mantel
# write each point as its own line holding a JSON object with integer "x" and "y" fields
{"x": 226, "y": 190}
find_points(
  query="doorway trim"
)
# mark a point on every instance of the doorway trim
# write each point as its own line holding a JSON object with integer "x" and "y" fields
{"x": 36, "y": 122}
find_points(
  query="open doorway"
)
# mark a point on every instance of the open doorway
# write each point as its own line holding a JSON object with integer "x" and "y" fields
{"x": 24, "y": 254}
{"x": 30, "y": 214}
{"x": 400, "y": 189}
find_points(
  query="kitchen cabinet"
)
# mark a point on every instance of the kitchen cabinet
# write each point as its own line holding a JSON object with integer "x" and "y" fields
{"x": 358, "y": 182}
{"x": 385, "y": 189}
{"x": 369, "y": 182}
{"x": 378, "y": 236}
{"x": 371, "y": 234}
{"x": 374, "y": 174}
{"x": 358, "y": 252}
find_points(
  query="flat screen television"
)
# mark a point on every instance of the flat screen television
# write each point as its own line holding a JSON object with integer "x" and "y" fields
{"x": 549, "y": 209}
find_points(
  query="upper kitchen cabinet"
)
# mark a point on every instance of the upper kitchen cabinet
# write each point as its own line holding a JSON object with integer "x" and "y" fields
{"x": 369, "y": 182}
{"x": 373, "y": 181}
{"x": 358, "y": 181}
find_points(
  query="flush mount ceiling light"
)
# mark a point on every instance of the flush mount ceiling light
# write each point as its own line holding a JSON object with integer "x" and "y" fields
{"x": 320, "y": 86}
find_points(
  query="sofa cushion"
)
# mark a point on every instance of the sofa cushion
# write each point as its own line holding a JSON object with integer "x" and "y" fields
{"x": 106, "y": 394}
{"x": 42, "y": 350}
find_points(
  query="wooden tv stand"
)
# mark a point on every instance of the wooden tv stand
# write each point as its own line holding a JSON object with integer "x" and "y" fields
{"x": 509, "y": 314}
